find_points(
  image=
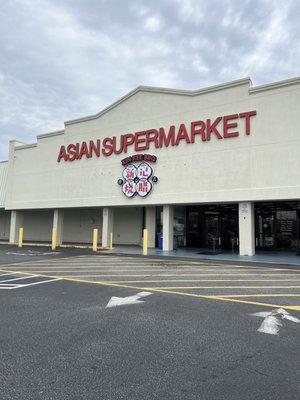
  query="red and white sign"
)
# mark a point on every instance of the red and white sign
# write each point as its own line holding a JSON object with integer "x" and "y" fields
{"x": 129, "y": 188}
{"x": 144, "y": 171}
{"x": 137, "y": 178}
{"x": 130, "y": 172}
{"x": 143, "y": 187}
{"x": 218, "y": 128}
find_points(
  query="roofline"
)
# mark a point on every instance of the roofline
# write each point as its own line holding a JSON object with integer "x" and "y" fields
{"x": 54, "y": 133}
{"x": 275, "y": 85}
{"x": 26, "y": 146}
{"x": 152, "y": 89}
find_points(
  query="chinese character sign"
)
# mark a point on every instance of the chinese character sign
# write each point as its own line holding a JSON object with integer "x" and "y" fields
{"x": 129, "y": 172}
{"x": 137, "y": 179}
{"x": 129, "y": 188}
{"x": 143, "y": 187}
{"x": 144, "y": 171}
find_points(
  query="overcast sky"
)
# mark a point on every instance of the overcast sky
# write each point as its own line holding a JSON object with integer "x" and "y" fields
{"x": 60, "y": 60}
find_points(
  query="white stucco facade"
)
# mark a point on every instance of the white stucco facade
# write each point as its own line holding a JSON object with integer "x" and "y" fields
{"x": 255, "y": 160}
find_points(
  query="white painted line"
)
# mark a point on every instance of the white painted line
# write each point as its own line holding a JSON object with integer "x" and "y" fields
{"x": 39, "y": 283}
{"x": 10, "y": 284}
{"x": 9, "y": 273}
{"x": 23, "y": 285}
{"x": 31, "y": 253}
{"x": 8, "y": 288}
{"x": 17, "y": 279}
{"x": 272, "y": 323}
{"x": 123, "y": 301}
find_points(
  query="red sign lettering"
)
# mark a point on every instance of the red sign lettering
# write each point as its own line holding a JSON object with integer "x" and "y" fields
{"x": 227, "y": 126}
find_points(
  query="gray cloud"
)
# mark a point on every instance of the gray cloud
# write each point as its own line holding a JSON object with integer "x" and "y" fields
{"x": 65, "y": 59}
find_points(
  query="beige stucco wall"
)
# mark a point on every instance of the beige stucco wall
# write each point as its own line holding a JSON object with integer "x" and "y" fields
{"x": 264, "y": 165}
{"x": 78, "y": 225}
{"x": 37, "y": 225}
{"x": 127, "y": 228}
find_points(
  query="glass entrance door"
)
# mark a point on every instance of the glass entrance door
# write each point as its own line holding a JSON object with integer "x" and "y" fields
{"x": 286, "y": 229}
{"x": 212, "y": 229}
{"x": 298, "y": 232}
{"x": 265, "y": 231}
{"x": 193, "y": 233}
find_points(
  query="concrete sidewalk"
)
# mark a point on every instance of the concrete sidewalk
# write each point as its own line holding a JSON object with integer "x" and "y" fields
{"x": 290, "y": 258}
{"x": 282, "y": 258}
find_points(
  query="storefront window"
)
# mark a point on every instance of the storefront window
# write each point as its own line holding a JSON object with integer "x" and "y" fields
{"x": 286, "y": 222}
{"x": 180, "y": 225}
{"x": 277, "y": 225}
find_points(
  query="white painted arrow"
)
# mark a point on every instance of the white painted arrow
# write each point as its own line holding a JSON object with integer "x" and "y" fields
{"x": 272, "y": 320}
{"x": 124, "y": 301}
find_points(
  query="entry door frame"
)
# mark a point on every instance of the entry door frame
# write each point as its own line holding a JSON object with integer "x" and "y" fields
{"x": 298, "y": 232}
{"x": 218, "y": 236}
{"x": 259, "y": 231}
{"x": 194, "y": 235}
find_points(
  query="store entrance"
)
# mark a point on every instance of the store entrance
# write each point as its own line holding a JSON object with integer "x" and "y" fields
{"x": 212, "y": 230}
{"x": 265, "y": 228}
{"x": 212, "y": 227}
{"x": 277, "y": 225}
{"x": 298, "y": 232}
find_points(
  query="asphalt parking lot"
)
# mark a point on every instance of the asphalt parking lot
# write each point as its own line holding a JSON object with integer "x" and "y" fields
{"x": 186, "y": 329}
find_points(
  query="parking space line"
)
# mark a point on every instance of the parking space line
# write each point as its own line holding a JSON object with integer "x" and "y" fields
{"x": 167, "y": 274}
{"x": 195, "y": 280}
{"x": 6, "y": 287}
{"x": 22, "y": 285}
{"x": 40, "y": 283}
{"x": 123, "y": 284}
{"x": 21, "y": 263}
{"x": 138, "y": 267}
{"x": 223, "y": 287}
{"x": 83, "y": 269}
{"x": 287, "y": 306}
{"x": 220, "y": 298}
{"x": 263, "y": 295}
{"x": 17, "y": 279}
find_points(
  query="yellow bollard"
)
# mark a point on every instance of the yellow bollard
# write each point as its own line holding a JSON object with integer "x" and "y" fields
{"x": 145, "y": 242}
{"x": 21, "y": 234}
{"x": 95, "y": 239}
{"x": 54, "y": 238}
{"x": 110, "y": 241}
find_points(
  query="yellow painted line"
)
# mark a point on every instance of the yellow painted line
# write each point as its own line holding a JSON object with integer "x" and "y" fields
{"x": 209, "y": 297}
{"x": 287, "y": 306}
{"x": 92, "y": 270}
{"x": 218, "y": 297}
{"x": 128, "y": 268}
{"x": 32, "y": 261}
{"x": 223, "y": 287}
{"x": 139, "y": 266}
{"x": 203, "y": 280}
{"x": 297, "y": 308}
{"x": 66, "y": 278}
{"x": 158, "y": 275}
{"x": 261, "y": 295}
{"x": 137, "y": 262}
{"x": 58, "y": 264}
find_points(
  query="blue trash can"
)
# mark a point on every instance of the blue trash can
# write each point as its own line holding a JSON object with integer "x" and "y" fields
{"x": 159, "y": 240}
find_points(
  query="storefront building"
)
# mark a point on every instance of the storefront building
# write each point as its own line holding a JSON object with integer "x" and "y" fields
{"x": 217, "y": 169}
